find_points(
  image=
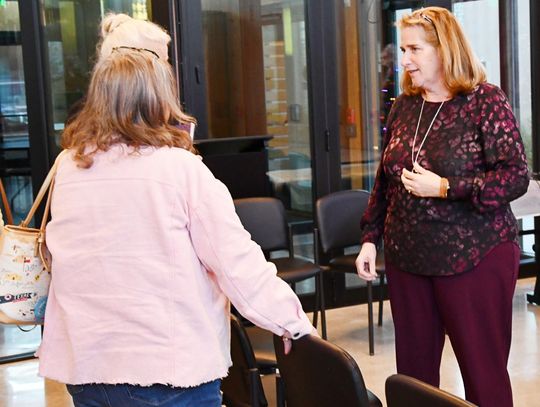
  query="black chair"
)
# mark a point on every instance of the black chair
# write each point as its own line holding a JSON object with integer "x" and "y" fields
{"x": 264, "y": 218}
{"x": 263, "y": 348}
{"x": 243, "y": 386}
{"x": 338, "y": 227}
{"x": 405, "y": 391}
{"x": 319, "y": 373}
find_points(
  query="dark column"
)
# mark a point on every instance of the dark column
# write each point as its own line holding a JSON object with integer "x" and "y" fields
{"x": 508, "y": 51}
{"x": 535, "y": 96}
{"x": 35, "y": 74}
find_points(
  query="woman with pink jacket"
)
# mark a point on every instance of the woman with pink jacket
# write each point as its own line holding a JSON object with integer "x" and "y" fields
{"x": 146, "y": 245}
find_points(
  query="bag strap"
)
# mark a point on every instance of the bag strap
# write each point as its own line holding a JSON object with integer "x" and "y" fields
{"x": 5, "y": 202}
{"x": 44, "y": 187}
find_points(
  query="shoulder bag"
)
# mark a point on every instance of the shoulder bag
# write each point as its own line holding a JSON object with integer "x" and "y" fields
{"x": 25, "y": 263}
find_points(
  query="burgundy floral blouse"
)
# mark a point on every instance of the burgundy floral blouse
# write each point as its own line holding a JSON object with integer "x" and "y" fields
{"x": 475, "y": 143}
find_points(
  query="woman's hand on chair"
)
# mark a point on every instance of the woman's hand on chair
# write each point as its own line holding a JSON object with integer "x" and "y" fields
{"x": 287, "y": 343}
{"x": 287, "y": 340}
{"x": 365, "y": 262}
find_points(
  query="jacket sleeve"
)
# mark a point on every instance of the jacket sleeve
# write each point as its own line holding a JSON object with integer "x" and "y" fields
{"x": 506, "y": 176}
{"x": 226, "y": 250}
{"x": 372, "y": 223}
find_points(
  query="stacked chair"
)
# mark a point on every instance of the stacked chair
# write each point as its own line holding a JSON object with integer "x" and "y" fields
{"x": 265, "y": 219}
{"x": 338, "y": 228}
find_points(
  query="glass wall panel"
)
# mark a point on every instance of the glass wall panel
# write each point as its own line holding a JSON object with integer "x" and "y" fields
{"x": 482, "y": 33}
{"x": 368, "y": 80}
{"x": 71, "y": 37}
{"x": 14, "y": 154}
{"x": 363, "y": 68}
{"x": 360, "y": 94}
{"x": 14, "y": 151}
{"x": 524, "y": 108}
{"x": 524, "y": 111}
{"x": 255, "y": 64}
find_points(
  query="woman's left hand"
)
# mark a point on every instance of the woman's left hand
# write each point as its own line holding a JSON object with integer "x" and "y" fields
{"x": 421, "y": 182}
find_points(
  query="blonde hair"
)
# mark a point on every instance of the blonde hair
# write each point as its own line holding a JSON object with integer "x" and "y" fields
{"x": 121, "y": 30}
{"x": 462, "y": 71}
{"x": 132, "y": 99}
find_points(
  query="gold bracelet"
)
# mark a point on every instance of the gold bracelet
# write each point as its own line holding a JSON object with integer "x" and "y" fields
{"x": 445, "y": 186}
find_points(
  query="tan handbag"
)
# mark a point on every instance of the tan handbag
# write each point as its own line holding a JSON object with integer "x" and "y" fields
{"x": 25, "y": 264}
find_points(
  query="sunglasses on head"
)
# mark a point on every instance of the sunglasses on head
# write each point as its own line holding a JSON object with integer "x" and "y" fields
{"x": 136, "y": 49}
{"x": 429, "y": 20}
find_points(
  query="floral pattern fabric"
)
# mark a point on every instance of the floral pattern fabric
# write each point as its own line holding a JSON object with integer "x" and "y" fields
{"x": 476, "y": 144}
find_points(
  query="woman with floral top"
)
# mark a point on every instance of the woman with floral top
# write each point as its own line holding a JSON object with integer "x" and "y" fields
{"x": 453, "y": 160}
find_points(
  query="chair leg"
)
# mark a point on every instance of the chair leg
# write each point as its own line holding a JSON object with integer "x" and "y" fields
{"x": 370, "y": 317}
{"x": 317, "y": 304}
{"x": 280, "y": 391}
{"x": 381, "y": 299}
{"x": 254, "y": 390}
{"x": 320, "y": 279}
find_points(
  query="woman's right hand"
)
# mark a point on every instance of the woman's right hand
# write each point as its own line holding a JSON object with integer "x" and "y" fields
{"x": 365, "y": 262}
{"x": 287, "y": 340}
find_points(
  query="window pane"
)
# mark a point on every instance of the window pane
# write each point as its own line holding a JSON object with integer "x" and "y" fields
{"x": 482, "y": 33}
{"x": 255, "y": 64}
{"x": 14, "y": 151}
{"x": 524, "y": 114}
{"x": 71, "y": 35}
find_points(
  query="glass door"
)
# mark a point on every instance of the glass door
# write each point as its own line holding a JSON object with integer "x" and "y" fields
{"x": 256, "y": 78}
{"x": 483, "y": 33}
{"x": 14, "y": 155}
{"x": 71, "y": 35}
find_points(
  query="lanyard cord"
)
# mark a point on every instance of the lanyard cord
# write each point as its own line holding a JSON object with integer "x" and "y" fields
{"x": 413, "y": 158}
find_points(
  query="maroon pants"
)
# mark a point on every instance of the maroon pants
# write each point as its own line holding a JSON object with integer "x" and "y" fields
{"x": 474, "y": 309}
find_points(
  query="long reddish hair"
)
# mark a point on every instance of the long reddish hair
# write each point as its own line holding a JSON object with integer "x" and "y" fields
{"x": 462, "y": 70}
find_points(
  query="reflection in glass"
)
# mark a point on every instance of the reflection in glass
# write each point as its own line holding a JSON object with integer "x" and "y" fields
{"x": 71, "y": 35}
{"x": 524, "y": 114}
{"x": 14, "y": 151}
{"x": 482, "y": 33}
{"x": 365, "y": 77}
{"x": 256, "y": 77}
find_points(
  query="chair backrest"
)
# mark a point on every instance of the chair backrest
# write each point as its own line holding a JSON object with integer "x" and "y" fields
{"x": 264, "y": 218}
{"x": 338, "y": 218}
{"x": 319, "y": 373}
{"x": 243, "y": 386}
{"x": 406, "y": 391}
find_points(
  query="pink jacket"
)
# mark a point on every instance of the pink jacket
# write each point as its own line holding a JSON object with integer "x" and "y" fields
{"x": 146, "y": 249}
